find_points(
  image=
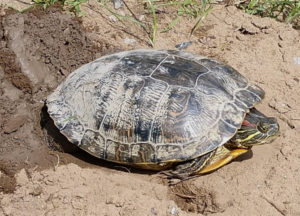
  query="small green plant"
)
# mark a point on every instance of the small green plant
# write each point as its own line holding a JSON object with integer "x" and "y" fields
{"x": 44, "y": 3}
{"x": 121, "y": 17}
{"x": 154, "y": 24}
{"x": 72, "y": 5}
{"x": 197, "y": 9}
{"x": 282, "y": 10}
{"x": 194, "y": 8}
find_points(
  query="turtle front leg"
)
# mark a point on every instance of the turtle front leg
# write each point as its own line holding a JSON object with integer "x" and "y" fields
{"x": 205, "y": 163}
{"x": 221, "y": 157}
{"x": 186, "y": 169}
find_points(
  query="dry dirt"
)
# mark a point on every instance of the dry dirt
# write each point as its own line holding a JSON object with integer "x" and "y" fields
{"x": 38, "y": 49}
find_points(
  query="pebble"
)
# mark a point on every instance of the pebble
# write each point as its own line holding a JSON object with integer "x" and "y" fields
{"x": 118, "y": 4}
{"x": 2, "y": 11}
{"x": 183, "y": 45}
{"x": 22, "y": 178}
{"x": 36, "y": 191}
{"x": 297, "y": 60}
{"x": 130, "y": 41}
{"x": 141, "y": 18}
{"x": 14, "y": 123}
{"x": 173, "y": 210}
{"x": 113, "y": 18}
{"x": 153, "y": 211}
{"x": 67, "y": 31}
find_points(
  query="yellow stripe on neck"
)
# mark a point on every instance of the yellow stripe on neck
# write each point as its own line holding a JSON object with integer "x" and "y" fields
{"x": 247, "y": 138}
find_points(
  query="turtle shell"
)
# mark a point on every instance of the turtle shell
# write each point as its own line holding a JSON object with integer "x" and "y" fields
{"x": 148, "y": 106}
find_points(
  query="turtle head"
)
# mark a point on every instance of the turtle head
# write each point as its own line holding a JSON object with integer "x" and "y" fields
{"x": 256, "y": 129}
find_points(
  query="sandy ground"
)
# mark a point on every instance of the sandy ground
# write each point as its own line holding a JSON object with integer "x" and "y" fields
{"x": 38, "y": 49}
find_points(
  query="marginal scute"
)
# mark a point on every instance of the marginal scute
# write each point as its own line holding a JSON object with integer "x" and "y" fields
{"x": 94, "y": 143}
{"x": 143, "y": 152}
{"x": 215, "y": 136}
{"x": 116, "y": 151}
{"x": 167, "y": 152}
{"x": 240, "y": 104}
{"x": 74, "y": 129}
{"x": 257, "y": 91}
{"x": 147, "y": 106}
{"x": 247, "y": 98}
{"x": 201, "y": 145}
{"x": 60, "y": 113}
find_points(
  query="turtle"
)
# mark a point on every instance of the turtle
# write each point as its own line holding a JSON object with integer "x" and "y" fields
{"x": 163, "y": 110}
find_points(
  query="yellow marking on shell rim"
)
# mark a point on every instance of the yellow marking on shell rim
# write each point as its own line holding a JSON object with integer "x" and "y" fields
{"x": 128, "y": 132}
{"x": 155, "y": 166}
{"x": 248, "y": 137}
{"x": 117, "y": 154}
{"x": 142, "y": 155}
{"x": 232, "y": 155}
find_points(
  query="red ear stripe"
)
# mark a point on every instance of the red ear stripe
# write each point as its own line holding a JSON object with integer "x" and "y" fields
{"x": 246, "y": 123}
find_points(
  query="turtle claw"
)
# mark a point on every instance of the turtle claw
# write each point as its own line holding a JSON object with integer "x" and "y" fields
{"x": 174, "y": 177}
{"x": 170, "y": 177}
{"x": 173, "y": 182}
{"x": 169, "y": 174}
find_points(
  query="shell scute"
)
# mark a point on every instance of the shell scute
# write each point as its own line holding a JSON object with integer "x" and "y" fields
{"x": 137, "y": 64}
{"x": 116, "y": 151}
{"x": 232, "y": 115}
{"x": 94, "y": 143}
{"x": 142, "y": 153}
{"x": 179, "y": 71}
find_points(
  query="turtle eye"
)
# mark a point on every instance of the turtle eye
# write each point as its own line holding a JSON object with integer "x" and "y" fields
{"x": 263, "y": 127}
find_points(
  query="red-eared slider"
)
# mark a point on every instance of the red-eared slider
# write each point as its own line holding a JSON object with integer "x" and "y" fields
{"x": 157, "y": 109}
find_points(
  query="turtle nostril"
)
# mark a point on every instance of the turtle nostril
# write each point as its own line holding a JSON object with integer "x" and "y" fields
{"x": 276, "y": 127}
